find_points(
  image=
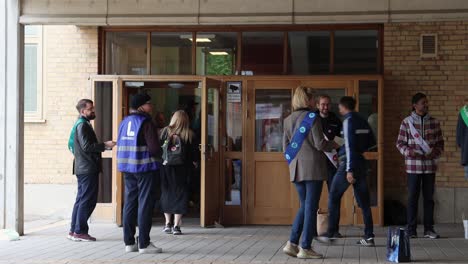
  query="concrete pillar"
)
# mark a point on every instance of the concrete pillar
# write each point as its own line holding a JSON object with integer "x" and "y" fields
{"x": 11, "y": 117}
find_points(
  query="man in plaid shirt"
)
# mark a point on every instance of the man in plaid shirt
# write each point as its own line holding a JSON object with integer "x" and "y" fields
{"x": 421, "y": 161}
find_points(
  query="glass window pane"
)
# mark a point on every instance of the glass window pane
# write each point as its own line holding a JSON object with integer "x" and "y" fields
{"x": 234, "y": 116}
{"x": 216, "y": 53}
{"x": 103, "y": 128}
{"x": 356, "y": 51}
{"x": 171, "y": 53}
{"x": 31, "y": 31}
{"x": 30, "y": 77}
{"x": 233, "y": 182}
{"x": 126, "y": 53}
{"x": 309, "y": 52}
{"x": 213, "y": 118}
{"x": 262, "y": 52}
{"x": 272, "y": 106}
{"x": 369, "y": 104}
{"x": 372, "y": 172}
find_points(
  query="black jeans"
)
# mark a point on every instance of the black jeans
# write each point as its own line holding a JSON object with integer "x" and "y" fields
{"x": 414, "y": 188}
{"x": 86, "y": 199}
{"x": 138, "y": 207}
{"x": 361, "y": 192}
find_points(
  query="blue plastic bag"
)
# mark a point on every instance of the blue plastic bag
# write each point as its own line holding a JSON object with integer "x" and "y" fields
{"x": 398, "y": 245}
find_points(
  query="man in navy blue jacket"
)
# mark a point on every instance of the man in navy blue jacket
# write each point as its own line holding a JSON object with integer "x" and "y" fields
{"x": 352, "y": 169}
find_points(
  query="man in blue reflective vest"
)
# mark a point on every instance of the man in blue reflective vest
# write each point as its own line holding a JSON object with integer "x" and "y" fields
{"x": 138, "y": 156}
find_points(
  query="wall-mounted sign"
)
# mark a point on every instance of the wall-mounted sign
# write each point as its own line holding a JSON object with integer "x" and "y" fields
{"x": 234, "y": 92}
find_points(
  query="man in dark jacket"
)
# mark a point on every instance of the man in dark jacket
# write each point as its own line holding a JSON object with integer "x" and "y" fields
{"x": 332, "y": 126}
{"x": 352, "y": 170}
{"x": 462, "y": 137}
{"x": 138, "y": 157}
{"x": 86, "y": 167}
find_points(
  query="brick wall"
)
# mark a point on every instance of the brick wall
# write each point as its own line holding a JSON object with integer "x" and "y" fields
{"x": 70, "y": 56}
{"x": 444, "y": 79}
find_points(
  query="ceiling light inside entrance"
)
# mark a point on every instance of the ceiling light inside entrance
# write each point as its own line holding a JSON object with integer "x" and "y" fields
{"x": 200, "y": 37}
{"x": 219, "y": 53}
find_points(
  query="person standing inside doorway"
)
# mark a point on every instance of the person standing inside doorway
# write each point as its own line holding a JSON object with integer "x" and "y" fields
{"x": 420, "y": 141}
{"x": 331, "y": 128}
{"x": 352, "y": 170}
{"x": 462, "y": 137}
{"x": 303, "y": 142}
{"x": 179, "y": 159}
{"x": 138, "y": 157}
{"x": 87, "y": 150}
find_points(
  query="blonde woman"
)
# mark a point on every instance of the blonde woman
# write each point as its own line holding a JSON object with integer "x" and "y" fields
{"x": 178, "y": 161}
{"x": 303, "y": 142}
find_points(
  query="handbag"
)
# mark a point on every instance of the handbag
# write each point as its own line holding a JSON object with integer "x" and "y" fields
{"x": 322, "y": 222}
{"x": 398, "y": 245}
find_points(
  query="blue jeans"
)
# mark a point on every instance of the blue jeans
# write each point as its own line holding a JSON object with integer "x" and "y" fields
{"x": 414, "y": 189}
{"x": 305, "y": 222}
{"x": 138, "y": 207}
{"x": 361, "y": 192}
{"x": 331, "y": 170}
{"x": 466, "y": 173}
{"x": 86, "y": 199}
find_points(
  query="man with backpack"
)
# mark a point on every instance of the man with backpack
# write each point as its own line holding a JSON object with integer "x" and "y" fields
{"x": 138, "y": 158}
{"x": 87, "y": 150}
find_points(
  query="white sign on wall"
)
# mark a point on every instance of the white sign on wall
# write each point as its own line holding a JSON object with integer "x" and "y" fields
{"x": 234, "y": 92}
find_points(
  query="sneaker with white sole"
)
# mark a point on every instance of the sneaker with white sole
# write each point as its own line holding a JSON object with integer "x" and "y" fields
{"x": 291, "y": 249}
{"x": 150, "y": 249}
{"x": 167, "y": 229}
{"x": 308, "y": 254}
{"x": 84, "y": 237}
{"x": 131, "y": 248}
{"x": 176, "y": 231}
{"x": 366, "y": 242}
{"x": 431, "y": 234}
{"x": 71, "y": 236}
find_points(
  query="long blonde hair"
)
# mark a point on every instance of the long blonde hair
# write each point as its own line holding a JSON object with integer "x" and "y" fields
{"x": 180, "y": 125}
{"x": 301, "y": 98}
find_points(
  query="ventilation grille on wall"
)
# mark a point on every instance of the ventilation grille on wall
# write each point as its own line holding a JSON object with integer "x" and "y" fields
{"x": 428, "y": 45}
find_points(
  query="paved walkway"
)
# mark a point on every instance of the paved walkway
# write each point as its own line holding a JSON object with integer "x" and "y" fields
{"x": 247, "y": 244}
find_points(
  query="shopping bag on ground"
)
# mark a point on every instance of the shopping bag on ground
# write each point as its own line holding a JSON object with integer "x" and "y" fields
{"x": 322, "y": 222}
{"x": 398, "y": 245}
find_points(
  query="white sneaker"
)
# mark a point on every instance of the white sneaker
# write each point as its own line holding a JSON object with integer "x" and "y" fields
{"x": 150, "y": 249}
{"x": 131, "y": 248}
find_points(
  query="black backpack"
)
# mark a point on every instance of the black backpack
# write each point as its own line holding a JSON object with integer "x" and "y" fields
{"x": 173, "y": 150}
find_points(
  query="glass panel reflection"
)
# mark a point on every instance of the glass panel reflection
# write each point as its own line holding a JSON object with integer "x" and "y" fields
{"x": 272, "y": 106}
{"x": 262, "y": 52}
{"x": 233, "y": 182}
{"x": 171, "y": 53}
{"x": 309, "y": 52}
{"x": 234, "y": 116}
{"x": 216, "y": 53}
{"x": 369, "y": 105}
{"x": 126, "y": 53}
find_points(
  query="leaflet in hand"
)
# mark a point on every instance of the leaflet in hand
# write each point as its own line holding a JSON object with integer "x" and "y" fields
{"x": 339, "y": 140}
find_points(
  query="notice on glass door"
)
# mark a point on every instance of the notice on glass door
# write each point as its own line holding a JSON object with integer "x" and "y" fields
{"x": 234, "y": 92}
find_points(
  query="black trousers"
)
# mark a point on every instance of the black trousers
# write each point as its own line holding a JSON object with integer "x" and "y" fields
{"x": 138, "y": 207}
{"x": 415, "y": 182}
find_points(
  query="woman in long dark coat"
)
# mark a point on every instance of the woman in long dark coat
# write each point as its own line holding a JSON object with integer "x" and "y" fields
{"x": 175, "y": 179}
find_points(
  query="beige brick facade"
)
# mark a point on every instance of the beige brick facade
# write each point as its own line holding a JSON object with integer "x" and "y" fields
{"x": 70, "y": 56}
{"x": 444, "y": 79}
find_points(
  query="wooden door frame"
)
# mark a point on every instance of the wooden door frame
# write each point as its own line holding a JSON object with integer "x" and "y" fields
{"x": 247, "y": 98}
{"x": 109, "y": 211}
